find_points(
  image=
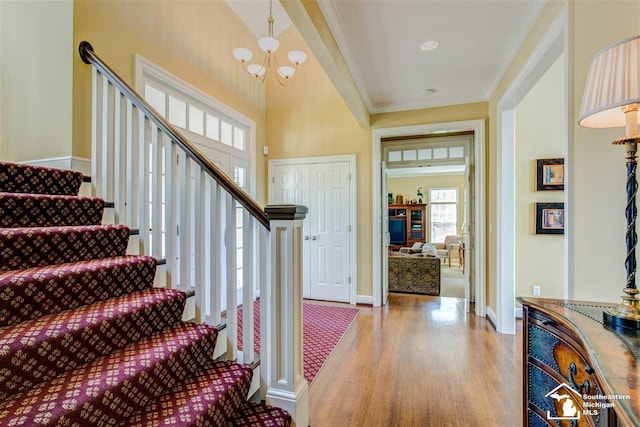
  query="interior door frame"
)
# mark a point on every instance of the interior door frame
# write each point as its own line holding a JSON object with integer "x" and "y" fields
{"x": 479, "y": 236}
{"x": 353, "y": 217}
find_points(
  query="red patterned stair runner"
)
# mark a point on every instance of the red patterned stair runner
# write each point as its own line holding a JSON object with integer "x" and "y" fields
{"x": 85, "y": 339}
{"x": 35, "y": 292}
{"x": 43, "y": 210}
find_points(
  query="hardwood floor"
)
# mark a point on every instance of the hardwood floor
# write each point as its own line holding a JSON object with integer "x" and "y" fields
{"x": 420, "y": 361}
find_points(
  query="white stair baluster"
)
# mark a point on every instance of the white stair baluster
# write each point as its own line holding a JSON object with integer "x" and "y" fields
{"x": 156, "y": 192}
{"x": 105, "y": 143}
{"x": 248, "y": 290}
{"x": 185, "y": 222}
{"x": 199, "y": 243}
{"x": 171, "y": 211}
{"x": 232, "y": 278}
{"x": 96, "y": 133}
{"x": 132, "y": 167}
{"x": 215, "y": 244}
{"x": 143, "y": 184}
{"x": 119, "y": 142}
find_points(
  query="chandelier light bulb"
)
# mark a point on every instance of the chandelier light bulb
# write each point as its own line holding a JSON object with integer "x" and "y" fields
{"x": 286, "y": 71}
{"x": 242, "y": 54}
{"x": 297, "y": 57}
{"x": 268, "y": 44}
{"x": 256, "y": 70}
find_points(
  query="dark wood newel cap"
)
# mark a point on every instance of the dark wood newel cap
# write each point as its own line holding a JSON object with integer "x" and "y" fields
{"x": 286, "y": 212}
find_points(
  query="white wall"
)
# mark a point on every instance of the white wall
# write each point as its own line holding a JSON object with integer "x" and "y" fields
{"x": 540, "y": 130}
{"x": 36, "y": 77}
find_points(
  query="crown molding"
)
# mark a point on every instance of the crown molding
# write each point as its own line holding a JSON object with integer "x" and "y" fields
{"x": 515, "y": 42}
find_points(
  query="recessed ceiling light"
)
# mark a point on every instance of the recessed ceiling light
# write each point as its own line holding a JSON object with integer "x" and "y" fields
{"x": 430, "y": 45}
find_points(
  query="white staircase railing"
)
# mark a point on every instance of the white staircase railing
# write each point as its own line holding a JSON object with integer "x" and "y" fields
{"x": 185, "y": 208}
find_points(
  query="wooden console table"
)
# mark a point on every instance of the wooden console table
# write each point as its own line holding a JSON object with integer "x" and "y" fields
{"x": 565, "y": 342}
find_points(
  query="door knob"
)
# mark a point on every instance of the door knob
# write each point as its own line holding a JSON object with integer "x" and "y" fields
{"x": 314, "y": 237}
{"x": 306, "y": 237}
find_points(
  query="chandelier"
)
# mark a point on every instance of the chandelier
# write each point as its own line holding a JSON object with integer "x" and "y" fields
{"x": 269, "y": 45}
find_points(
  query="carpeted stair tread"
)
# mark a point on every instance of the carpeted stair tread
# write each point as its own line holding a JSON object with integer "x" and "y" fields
{"x": 43, "y": 210}
{"x": 15, "y": 178}
{"x": 22, "y": 248}
{"x": 258, "y": 414}
{"x": 208, "y": 399}
{"x": 40, "y": 291}
{"x": 41, "y": 349}
{"x": 113, "y": 387}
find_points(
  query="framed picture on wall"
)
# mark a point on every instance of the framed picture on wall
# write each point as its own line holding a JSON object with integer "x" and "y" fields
{"x": 550, "y": 174}
{"x": 549, "y": 218}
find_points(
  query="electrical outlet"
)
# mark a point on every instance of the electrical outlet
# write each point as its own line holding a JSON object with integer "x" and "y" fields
{"x": 536, "y": 291}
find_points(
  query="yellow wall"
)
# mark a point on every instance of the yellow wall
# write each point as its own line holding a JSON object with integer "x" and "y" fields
{"x": 36, "y": 79}
{"x": 306, "y": 118}
{"x": 598, "y": 169}
{"x": 409, "y": 185}
{"x": 451, "y": 113}
{"x": 191, "y": 39}
{"x": 540, "y": 130}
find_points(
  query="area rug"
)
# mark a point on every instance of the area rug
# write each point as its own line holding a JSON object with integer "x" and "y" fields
{"x": 452, "y": 282}
{"x": 323, "y": 327}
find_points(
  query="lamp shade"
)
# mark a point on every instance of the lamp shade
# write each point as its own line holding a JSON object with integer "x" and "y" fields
{"x": 613, "y": 82}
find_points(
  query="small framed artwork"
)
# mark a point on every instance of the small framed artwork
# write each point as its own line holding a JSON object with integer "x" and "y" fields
{"x": 550, "y": 175}
{"x": 549, "y": 218}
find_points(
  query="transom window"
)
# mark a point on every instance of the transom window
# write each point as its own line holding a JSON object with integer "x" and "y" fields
{"x": 189, "y": 115}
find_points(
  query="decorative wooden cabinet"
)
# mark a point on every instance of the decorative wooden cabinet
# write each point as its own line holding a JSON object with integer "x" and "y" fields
{"x": 407, "y": 224}
{"x": 574, "y": 367}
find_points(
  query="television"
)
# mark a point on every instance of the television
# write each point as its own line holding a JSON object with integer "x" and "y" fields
{"x": 398, "y": 231}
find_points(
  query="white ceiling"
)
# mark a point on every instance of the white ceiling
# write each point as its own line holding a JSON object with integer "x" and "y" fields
{"x": 254, "y": 14}
{"x": 380, "y": 41}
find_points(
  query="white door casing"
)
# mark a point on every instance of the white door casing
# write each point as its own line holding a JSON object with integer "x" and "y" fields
{"x": 478, "y": 237}
{"x": 326, "y": 186}
{"x": 385, "y": 240}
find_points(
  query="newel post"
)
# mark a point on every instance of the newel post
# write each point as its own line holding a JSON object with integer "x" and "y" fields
{"x": 286, "y": 386}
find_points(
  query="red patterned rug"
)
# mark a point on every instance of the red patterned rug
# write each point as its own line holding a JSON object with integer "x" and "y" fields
{"x": 323, "y": 327}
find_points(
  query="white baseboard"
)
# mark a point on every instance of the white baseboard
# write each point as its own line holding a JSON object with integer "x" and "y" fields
{"x": 364, "y": 299}
{"x": 67, "y": 162}
{"x": 519, "y": 313}
{"x": 493, "y": 318}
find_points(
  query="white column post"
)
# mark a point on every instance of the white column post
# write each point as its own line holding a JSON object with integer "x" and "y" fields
{"x": 286, "y": 386}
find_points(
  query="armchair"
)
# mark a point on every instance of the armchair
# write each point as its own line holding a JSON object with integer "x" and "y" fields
{"x": 450, "y": 245}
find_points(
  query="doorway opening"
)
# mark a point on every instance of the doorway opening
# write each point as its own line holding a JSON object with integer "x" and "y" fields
{"x": 474, "y": 236}
{"x": 428, "y": 185}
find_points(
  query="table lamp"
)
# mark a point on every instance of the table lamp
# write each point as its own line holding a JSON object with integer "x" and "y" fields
{"x": 611, "y": 99}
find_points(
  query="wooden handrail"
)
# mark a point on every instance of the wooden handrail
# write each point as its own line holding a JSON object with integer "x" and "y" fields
{"x": 254, "y": 208}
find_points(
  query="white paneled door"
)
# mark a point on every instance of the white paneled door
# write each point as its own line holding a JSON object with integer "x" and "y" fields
{"x": 325, "y": 188}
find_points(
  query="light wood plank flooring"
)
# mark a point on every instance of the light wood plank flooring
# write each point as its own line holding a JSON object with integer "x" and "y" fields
{"x": 420, "y": 361}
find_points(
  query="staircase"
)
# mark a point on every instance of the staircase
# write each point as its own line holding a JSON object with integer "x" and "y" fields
{"x": 85, "y": 338}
